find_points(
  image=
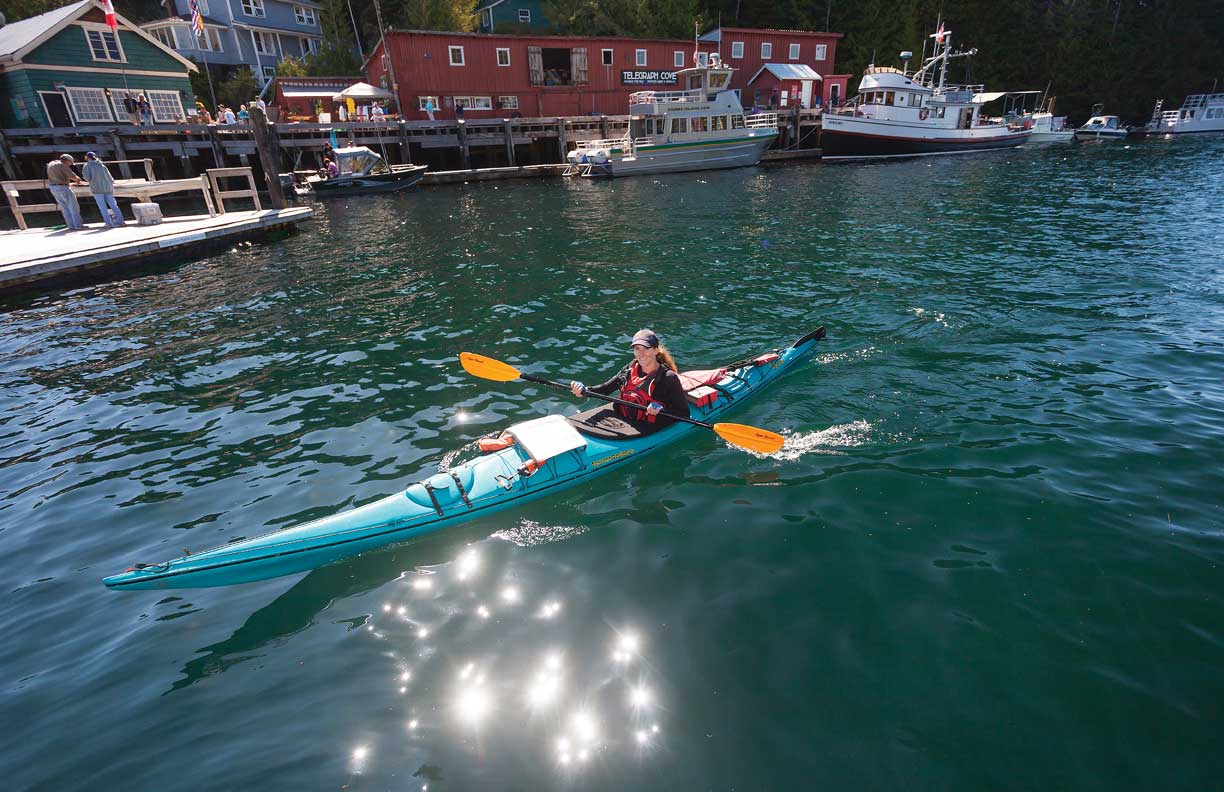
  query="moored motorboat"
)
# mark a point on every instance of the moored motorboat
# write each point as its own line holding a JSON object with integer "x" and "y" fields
{"x": 548, "y": 455}
{"x": 700, "y": 127}
{"x": 1102, "y": 127}
{"x": 363, "y": 171}
{"x": 1200, "y": 113}
{"x": 898, "y": 114}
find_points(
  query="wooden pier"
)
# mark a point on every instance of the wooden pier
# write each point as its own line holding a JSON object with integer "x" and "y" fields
{"x": 188, "y": 150}
{"x": 30, "y": 258}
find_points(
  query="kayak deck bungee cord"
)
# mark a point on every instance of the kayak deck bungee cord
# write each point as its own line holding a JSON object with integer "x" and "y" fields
{"x": 538, "y": 457}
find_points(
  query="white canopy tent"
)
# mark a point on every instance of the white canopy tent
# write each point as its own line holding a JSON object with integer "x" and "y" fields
{"x": 363, "y": 91}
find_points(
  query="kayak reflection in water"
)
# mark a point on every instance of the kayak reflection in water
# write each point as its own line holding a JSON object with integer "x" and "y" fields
{"x": 651, "y": 381}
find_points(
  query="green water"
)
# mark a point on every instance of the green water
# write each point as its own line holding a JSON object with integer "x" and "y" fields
{"x": 987, "y": 558}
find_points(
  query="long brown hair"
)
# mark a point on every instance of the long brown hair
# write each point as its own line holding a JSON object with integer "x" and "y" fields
{"x": 665, "y": 358}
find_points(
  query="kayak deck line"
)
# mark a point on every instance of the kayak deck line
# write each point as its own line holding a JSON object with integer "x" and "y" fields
{"x": 483, "y": 485}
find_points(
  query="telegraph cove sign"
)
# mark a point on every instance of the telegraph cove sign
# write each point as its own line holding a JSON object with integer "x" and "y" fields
{"x": 648, "y": 78}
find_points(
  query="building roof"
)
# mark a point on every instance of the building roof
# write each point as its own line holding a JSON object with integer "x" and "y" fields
{"x": 18, "y": 35}
{"x": 788, "y": 71}
{"x": 716, "y": 33}
{"x": 22, "y": 37}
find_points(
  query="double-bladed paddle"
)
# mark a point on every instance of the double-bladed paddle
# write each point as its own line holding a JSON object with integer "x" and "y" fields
{"x": 749, "y": 437}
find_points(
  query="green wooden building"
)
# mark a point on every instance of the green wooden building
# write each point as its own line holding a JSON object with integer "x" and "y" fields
{"x": 512, "y": 16}
{"x": 66, "y": 68}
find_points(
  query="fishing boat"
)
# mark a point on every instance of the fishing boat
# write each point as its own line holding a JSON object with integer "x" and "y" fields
{"x": 362, "y": 171}
{"x": 526, "y": 461}
{"x": 1199, "y": 113}
{"x": 1041, "y": 121}
{"x": 898, "y": 114}
{"x": 701, "y": 127}
{"x": 1102, "y": 127}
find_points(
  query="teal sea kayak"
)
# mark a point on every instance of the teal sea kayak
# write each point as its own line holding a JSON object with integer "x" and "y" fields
{"x": 547, "y": 455}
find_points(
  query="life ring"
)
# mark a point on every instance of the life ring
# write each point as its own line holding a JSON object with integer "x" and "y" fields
{"x": 923, "y": 114}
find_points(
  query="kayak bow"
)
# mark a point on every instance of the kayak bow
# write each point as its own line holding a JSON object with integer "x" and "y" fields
{"x": 548, "y": 455}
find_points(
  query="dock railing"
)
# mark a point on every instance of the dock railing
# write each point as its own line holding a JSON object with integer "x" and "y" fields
{"x": 143, "y": 190}
{"x": 215, "y": 175}
{"x": 761, "y": 120}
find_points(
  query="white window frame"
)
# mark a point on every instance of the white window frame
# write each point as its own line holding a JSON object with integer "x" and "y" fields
{"x": 639, "y": 57}
{"x": 607, "y": 57}
{"x": 500, "y": 50}
{"x": 102, "y": 31}
{"x": 793, "y": 52}
{"x": 524, "y": 15}
{"x": 703, "y": 59}
{"x": 75, "y": 110}
{"x": 308, "y": 45}
{"x": 268, "y": 72}
{"x": 257, "y": 8}
{"x": 450, "y": 55}
{"x": 116, "y": 100}
{"x": 737, "y": 49}
{"x": 822, "y": 51}
{"x": 212, "y": 40}
{"x": 421, "y": 100}
{"x": 259, "y": 42}
{"x": 170, "y": 100}
{"x": 305, "y": 15}
{"x": 508, "y": 102}
{"x": 166, "y": 36}
{"x": 678, "y": 59}
{"x": 766, "y": 50}
{"x": 474, "y": 102}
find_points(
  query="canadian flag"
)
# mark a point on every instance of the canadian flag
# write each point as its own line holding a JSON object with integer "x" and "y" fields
{"x": 939, "y": 34}
{"x": 110, "y": 15}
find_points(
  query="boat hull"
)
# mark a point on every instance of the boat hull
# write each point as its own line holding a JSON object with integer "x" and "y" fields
{"x": 476, "y": 488}
{"x": 681, "y": 157}
{"x": 843, "y": 138}
{"x": 373, "y": 183}
{"x": 1101, "y": 134}
{"x": 1052, "y": 137}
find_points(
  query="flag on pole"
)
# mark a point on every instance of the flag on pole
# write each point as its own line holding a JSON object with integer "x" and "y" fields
{"x": 939, "y": 34}
{"x": 111, "y": 22}
{"x": 197, "y": 21}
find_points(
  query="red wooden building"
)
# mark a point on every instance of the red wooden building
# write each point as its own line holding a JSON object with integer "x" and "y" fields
{"x": 498, "y": 76}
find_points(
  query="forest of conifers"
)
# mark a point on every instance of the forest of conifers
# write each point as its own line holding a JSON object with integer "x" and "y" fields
{"x": 1122, "y": 53}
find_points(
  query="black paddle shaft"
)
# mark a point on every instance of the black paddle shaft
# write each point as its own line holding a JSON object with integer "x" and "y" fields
{"x": 613, "y": 399}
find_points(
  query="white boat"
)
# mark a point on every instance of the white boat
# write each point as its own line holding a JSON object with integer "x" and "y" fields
{"x": 1049, "y": 128}
{"x": 1199, "y": 113}
{"x": 898, "y": 114}
{"x": 701, "y": 127}
{"x": 363, "y": 171}
{"x": 1041, "y": 121}
{"x": 1107, "y": 127}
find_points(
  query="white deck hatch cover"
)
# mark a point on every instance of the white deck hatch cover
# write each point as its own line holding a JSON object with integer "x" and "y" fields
{"x": 547, "y": 437}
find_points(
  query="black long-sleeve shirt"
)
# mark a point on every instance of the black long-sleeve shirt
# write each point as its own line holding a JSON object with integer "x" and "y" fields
{"x": 668, "y": 391}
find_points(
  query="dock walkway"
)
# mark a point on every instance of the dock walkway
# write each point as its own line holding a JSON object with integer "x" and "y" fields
{"x": 32, "y": 256}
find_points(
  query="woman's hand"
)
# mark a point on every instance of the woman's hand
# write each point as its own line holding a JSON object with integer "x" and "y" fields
{"x": 578, "y": 388}
{"x": 654, "y": 409}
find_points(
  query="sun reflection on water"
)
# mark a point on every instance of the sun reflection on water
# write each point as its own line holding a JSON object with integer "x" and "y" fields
{"x": 471, "y": 665}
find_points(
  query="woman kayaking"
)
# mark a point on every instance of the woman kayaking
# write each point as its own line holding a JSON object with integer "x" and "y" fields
{"x": 650, "y": 381}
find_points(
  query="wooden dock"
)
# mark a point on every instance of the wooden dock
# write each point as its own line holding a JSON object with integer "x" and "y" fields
{"x": 34, "y": 257}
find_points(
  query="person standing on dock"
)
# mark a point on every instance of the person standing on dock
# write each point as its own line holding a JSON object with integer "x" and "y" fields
{"x": 102, "y": 186}
{"x": 60, "y": 177}
{"x": 146, "y": 110}
{"x": 429, "y": 108}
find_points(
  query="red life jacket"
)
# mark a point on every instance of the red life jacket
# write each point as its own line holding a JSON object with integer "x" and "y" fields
{"x": 639, "y": 389}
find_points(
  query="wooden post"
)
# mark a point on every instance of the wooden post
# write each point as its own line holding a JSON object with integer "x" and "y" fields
{"x": 603, "y": 127}
{"x": 10, "y": 169}
{"x": 405, "y": 148}
{"x": 148, "y": 166}
{"x": 125, "y": 170}
{"x": 561, "y": 146}
{"x": 267, "y": 148}
{"x": 218, "y": 150}
{"x": 509, "y": 128}
{"x": 461, "y": 126}
{"x": 795, "y": 124}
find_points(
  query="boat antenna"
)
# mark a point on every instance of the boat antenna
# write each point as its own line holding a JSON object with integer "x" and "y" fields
{"x": 720, "y": 40}
{"x": 696, "y": 32}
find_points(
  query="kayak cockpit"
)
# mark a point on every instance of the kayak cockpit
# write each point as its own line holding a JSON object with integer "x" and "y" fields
{"x": 604, "y": 423}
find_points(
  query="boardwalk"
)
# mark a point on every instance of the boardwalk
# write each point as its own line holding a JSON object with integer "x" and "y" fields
{"x": 39, "y": 254}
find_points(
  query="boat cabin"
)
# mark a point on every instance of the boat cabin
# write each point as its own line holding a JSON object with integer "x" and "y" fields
{"x": 358, "y": 161}
{"x": 705, "y": 104}
{"x": 1103, "y": 122}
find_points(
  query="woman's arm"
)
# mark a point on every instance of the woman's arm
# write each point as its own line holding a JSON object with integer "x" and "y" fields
{"x": 613, "y": 384}
{"x": 670, "y": 393}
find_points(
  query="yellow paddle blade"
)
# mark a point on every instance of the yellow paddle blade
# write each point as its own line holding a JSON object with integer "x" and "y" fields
{"x": 487, "y": 368}
{"x": 749, "y": 437}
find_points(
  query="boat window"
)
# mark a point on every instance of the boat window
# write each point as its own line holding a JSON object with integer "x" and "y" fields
{"x": 694, "y": 82}
{"x": 718, "y": 80}
{"x": 699, "y": 124}
{"x": 679, "y": 124}
{"x": 737, "y": 122}
{"x": 890, "y": 97}
{"x": 718, "y": 122}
